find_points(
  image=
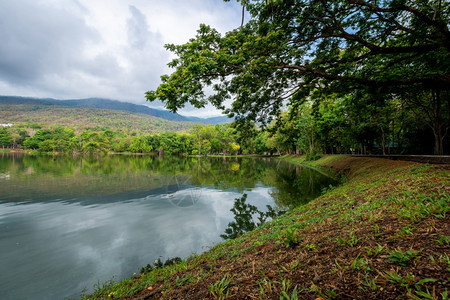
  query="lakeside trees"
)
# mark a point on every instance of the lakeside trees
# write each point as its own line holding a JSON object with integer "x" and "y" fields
{"x": 333, "y": 125}
{"x": 385, "y": 61}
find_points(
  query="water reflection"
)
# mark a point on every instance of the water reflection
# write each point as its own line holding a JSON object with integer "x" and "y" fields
{"x": 66, "y": 223}
{"x": 244, "y": 218}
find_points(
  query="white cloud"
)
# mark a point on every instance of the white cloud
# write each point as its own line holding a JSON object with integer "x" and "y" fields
{"x": 104, "y": 48}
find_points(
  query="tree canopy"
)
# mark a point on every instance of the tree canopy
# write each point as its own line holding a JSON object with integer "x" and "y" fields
{"x": 292, "y": 51}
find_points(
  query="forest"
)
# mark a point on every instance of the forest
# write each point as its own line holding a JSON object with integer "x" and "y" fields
{"x": 333, "y": 127}
{"x": 337, "y": 76}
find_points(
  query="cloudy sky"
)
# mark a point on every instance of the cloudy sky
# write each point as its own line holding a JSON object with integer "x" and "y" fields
{"x": 70, "y": 49}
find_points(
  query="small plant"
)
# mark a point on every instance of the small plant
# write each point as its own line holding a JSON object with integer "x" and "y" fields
{"x": 443, "y": 239}
{"x": 375, "y": 251}
{"x": 396, "y": 278}
{"x": 352, "y": 240}
{"x": 337, "y": 266}
{"x": 267, "y": 283}
{"x": 295, "y": 264}
{"x": 286, "y": 286}
{"x": 183, "y": 280}
{"x": 330, "y": 294}
{"x": 445, "y": 259}
{"x": 360, "y": 264}
{"x": 369, "y": 284}
{"x": 311, "y": 246}
{"x": 402, "y": 258}
{"x": 424, "y": 294}
{"x": 407, "y": 229}
{"x": 376, "y": 230}
{"x": 219, "y": 289}
{"x": 291, "y": 239}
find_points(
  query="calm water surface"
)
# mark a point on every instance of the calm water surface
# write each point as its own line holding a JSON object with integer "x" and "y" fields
{"x": 68, "y": 223}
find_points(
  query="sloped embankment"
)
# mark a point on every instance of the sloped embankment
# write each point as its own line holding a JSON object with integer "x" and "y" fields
{"x": 383, "y": 234}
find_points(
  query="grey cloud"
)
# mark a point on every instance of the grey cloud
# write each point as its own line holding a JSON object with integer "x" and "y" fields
{"x": 146, "y": 56}
{"x": 137, "y": 28}
{"x": 38, "y": 40}
{"x": 63, "y": 49}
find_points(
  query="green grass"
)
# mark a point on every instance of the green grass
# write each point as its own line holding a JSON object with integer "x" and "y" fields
{"x": 361, "y": 237}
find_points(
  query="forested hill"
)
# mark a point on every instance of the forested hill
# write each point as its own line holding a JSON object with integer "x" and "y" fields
{"x": 47, "y": 113}
{"x": 99, "y": 103}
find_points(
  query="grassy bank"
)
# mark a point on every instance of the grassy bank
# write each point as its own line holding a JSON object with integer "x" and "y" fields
{"x": 382, "y": 234}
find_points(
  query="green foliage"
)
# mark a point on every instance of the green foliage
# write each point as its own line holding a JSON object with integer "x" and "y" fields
{"x": 381, "y": 84}
{"x": 291, "y": 237}
{"x": 360, "y": 264}
{"x": 5, "y": 138}
{"x": 352, "y": 240}
{"x": 139, "y": 144}
{"x": 401, "y": 258}
{"x": 285, "y": 291}
{"x": 220, "y": 289}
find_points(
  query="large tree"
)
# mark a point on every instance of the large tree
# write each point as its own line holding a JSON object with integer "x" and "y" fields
{"x": 290, "y": 49}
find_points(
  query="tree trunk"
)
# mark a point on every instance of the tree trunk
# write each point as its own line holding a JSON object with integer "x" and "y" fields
{"x": 438, "y": 141}
{"x": 437, "y": 125}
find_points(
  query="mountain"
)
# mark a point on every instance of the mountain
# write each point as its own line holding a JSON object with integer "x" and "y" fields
{"x": 211, "y": 120}
{"x": 99, "y": 103}
{"x": 46, "y": 113}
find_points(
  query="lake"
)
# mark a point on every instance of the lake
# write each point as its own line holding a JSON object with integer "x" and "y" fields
{"x": 69, "y": 223}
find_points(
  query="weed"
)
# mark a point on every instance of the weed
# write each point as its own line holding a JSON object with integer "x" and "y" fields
{"x": 219, "y": 289}
{"x": 267, "y": 283}
{"x": 444, "y": 295}
{"x": 295, "y": 264}
{"x": 330, "y": 294}
{"x": 443, "y": 239}
{"x": 423, "y": 294}
{"x": 376, "y": 230}
{"x": 374, "y": 251}
{"x": 262, "y": 290}
{"x": 352, "y": 240}
{"x": 445, "y": 259}
{"x": 396, "y": 278}
{"x": 369, "y": 284}
{"x": 402, "y": 258}
{"x": 360, "y": 264}
{"x": 310, "y": 246}
{"x": 183, "y": 280}
{"x": 337, "y": 266}
{"x": 291, "y": 239}
{"x": 285, "y": 287}
{"x": 407, "y": 229}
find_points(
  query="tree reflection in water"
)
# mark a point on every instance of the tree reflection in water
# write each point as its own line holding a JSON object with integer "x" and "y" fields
{"x": 244, "y": 218}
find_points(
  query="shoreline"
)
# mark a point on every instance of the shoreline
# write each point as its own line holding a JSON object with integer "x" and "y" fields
{"x": 383, "y": 233}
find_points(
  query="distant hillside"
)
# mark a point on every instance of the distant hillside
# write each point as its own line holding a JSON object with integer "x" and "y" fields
{"x": 48, "y": 112}
{"x": 110, "y": 105}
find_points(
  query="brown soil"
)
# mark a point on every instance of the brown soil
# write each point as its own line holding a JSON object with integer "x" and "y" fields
{"x": 329, "y": 269}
